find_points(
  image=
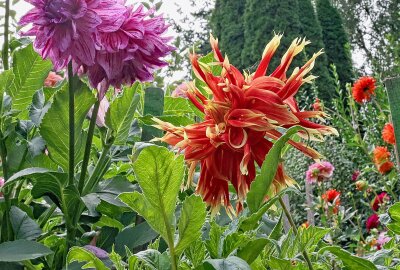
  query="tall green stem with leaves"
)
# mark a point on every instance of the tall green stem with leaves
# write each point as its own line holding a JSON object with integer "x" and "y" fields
{"x": 293, "y": 225}
{"x": 6, "y": 31}
{"x": 88, "y": 145}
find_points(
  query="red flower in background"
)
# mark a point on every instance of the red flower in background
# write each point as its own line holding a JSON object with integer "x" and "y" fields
{"x": 378, "y": 200}
{"x": 332, "y": 196}
{"x": 363, "y": 89}
{"x": 382, "y": 159}
{"x": 242, "y": 114}
{"x": 372, "y": 222}
{"x": 388, "y": 134}
{"x": 355, "y": 175}
{"x": 317, "y": 105}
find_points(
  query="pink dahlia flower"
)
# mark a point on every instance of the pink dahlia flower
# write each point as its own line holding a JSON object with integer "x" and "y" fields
{"x": 52, "y": 79}
{"x": 133, "y": 52}
{"x": 1, "y": 184}
{"x": 382, "y": 239}
{"x": 64, "y": 30}
{"x": 180, "y": 91}
{"x": 319, "y": 172}
{"x": 112, "y": 43}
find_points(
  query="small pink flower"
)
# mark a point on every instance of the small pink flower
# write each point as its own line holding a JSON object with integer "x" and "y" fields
{"x": 101, "y": 115}
{"x": 382, "y": 239}
{"x": 1, "y": 184}
{"x": 52, "y": 79}
{"x": 180, "y": 91}
{"x": 319, "y": 172}
{"x": 355, "y": 175}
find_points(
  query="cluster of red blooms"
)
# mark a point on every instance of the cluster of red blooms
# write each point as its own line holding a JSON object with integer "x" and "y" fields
{"x": 382, "y": 159}
{"x": 373, "y": 220}
{"x": 332, "y": 196}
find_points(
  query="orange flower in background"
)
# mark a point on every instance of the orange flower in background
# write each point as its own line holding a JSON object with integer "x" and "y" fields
{"x": 388, "y": 134}
{"x": 332, "y": 196}
{"x": 363, "y": 89}
{"x": 242, "y": 115}
{"x": 52, "y": 79}
{"x": 382, "y": 159}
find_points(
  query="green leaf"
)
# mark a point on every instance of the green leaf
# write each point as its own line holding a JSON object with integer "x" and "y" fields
{"x": 215, "y": 241}
{"x": 52, "y": 184}
{"x": 230, "y": 263}
{"x": 39, "y": 107}
{"x": 153, "y": 105}
{"x": 159, "y": 175}
{"x": 349, "y": 261}
{"x": 83, "y": 255}
{"x": 176, "y": 106}
{"x": 22, "y": 250}
{"x": 30, "y": 71}
{"x": 6, "y": 79}
{"x": 193, "y": 216}
{"x": 23, "y": 226}
{"x": 120, "y": 115}
{"x": 252, "y": 250}
{"x": 55, "y": 124}
{"x": 260, "y": 186}
{"x": 394, "y": 212}
{"x": 133, "y": 237}
{"x": 152, "y": 259}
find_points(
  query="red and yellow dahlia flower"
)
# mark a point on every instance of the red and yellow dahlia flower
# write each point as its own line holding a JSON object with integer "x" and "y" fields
{"x": 243, "y": 114}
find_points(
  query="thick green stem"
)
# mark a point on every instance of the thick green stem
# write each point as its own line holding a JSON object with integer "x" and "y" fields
{"x": 6, "y": 30}
{"x": 94, "y": 178}
{"x": 88, "y": 146}
{"x": 290, "y": 219}
{"x": 71, "y": 125}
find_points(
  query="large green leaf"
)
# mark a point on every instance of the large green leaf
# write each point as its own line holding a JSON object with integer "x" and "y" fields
{"x": 159, "y": 174}
{"x": 83, "y": 255}
{"x": 393, "y": 90}
{"x": 176, "y": 106}
{"x": 252, "y": 249}
{"x": 349, "y": 261}
{"x": 121, "y": 113}
{"x": 52, "y": 184}
{"x": 133, "y": 237}
{"x": 23, "y": 226}
{"x": 55, "y": 124}
{"x": 230, "y": 263}
{"x": 154, "y": 106}
{"x": 30, "y": 71}
{"x": 193, "y": 216}
{"x": 21, "y": 250}
{"x": 260, "y": 186}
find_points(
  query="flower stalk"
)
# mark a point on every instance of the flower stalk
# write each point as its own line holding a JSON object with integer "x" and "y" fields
{"x": 293, "y": 225}
{"x": 6, "y": 31}
{"x": 88, "y": 146}
{"x": 71, "y": 125}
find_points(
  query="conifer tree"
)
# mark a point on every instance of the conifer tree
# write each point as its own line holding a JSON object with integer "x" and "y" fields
{"x": 312, "y": 31}
{"x": 336, "y": 42}
{"x": 261, "y": 19}
{"x": 227, "y": 26}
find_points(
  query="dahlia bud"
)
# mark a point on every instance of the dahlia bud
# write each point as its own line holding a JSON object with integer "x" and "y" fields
{"x": 361, "y": 185}
{"x": 317, "y": 106}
